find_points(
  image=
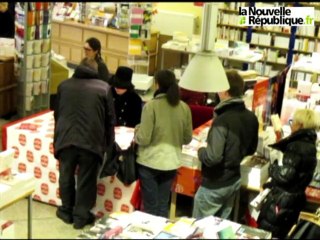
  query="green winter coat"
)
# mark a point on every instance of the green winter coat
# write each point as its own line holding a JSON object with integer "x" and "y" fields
{"x": 162, "y": 132}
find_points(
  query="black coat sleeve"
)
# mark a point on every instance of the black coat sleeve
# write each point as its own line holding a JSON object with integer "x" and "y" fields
{"x": 110, "y": 120}
{"x": 137, "y": 110}
{"x": 285, "y": 174}
{"x": 103, "y": 72}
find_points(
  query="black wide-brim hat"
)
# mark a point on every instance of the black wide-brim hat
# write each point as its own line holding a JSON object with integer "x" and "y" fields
{"x": 122, "y": 78}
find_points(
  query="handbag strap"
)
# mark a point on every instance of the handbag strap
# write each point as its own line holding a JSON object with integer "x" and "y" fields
{"x": 301, "y": 231}
{"x": 311, "y": 217}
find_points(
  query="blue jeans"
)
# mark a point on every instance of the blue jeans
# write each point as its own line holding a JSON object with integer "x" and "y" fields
{"x": 156, "y": 189}
{"x": 217, "y": 202}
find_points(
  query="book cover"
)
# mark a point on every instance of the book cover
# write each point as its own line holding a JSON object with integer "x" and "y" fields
{"x": 166, "y": 235}
{"x": 259, "y": 100}
{"x": 246, "y": 232}
{"x": 313, "y": 193}
{"x": 183, "y": 228}
{"x": 226, "y": 233}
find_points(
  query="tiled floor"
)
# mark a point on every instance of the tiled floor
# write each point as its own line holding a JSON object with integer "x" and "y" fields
{"x": 45, "y": 224}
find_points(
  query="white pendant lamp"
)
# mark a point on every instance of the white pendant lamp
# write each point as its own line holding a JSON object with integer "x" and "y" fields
{"x": 205, "y": 72}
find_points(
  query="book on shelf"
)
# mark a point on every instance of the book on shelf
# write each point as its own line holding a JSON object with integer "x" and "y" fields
{"x": 265, "y": 39}
{"x": 255, "y": 38}
{"x": 272, "y": 55}
{"x": 282, "y": 42}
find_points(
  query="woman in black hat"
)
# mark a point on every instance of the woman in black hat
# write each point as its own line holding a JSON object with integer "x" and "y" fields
{"x": 92, "y": 50}
{"x": 127, "y": 103}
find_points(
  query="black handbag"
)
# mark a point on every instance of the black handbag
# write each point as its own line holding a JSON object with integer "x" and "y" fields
{"x": 307, "y": 227}
{"x": 111, "y": 161}
{"x": 127, "y": 171}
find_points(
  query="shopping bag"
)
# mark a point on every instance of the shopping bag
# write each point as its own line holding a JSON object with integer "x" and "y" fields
{"x": 127, "y": 171}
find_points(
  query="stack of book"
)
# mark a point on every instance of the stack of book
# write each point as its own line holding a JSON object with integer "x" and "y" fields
{"x": 139, "y": 225}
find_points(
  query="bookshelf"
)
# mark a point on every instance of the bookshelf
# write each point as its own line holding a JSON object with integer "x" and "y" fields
{"x": 227, "y": 25}
{"x": 282, "y": 44}
{"x": 301, "y": 87}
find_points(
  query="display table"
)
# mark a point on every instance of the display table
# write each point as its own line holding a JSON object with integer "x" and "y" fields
{"x": 21, "y": 186}
{"x": 140, "y": 225}
{"x": 32, "y": 139}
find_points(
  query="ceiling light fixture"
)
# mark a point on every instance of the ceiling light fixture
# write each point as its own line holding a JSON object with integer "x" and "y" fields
{"x": 205, "y": 72}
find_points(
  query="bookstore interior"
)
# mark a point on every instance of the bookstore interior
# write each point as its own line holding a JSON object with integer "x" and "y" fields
{"x": 278, "y": 62}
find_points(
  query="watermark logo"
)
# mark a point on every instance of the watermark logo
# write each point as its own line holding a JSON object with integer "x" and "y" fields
{"x": 276, "y": 16}
{"x": 242, "y": 20}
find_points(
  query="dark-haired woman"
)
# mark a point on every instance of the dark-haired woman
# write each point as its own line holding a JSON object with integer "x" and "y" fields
{"x": 165, "y": 126}
{"x": 92, "y": 50}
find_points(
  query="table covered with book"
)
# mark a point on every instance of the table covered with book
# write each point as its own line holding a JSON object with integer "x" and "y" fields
{"x": 140, "y": 225}
{"x": 32, "y": 140}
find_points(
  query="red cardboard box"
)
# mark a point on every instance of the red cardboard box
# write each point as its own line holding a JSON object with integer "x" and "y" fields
{"x": 313, "y": 194}
{"x": 187, "y": 181}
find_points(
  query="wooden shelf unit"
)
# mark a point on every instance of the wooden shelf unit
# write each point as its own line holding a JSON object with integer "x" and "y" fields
{"x": 68, "y": 38}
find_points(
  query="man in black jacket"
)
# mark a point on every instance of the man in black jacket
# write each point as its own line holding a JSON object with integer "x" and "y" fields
{"x": 233, "y": 135}
{"x": 84, "y": 128}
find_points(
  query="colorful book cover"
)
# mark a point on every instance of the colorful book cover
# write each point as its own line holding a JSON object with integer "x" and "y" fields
{"x": 260, "y": 96}
{"x": 313, "y": 193}
{"x": 246, "y": 232}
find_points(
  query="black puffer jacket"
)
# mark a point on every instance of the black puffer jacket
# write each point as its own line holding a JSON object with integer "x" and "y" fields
{"x": 289, "y": 181}
{"x": 84, "y": 116}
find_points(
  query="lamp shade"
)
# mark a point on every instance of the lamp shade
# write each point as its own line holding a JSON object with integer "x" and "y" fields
{"x": 204, "y": 73}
